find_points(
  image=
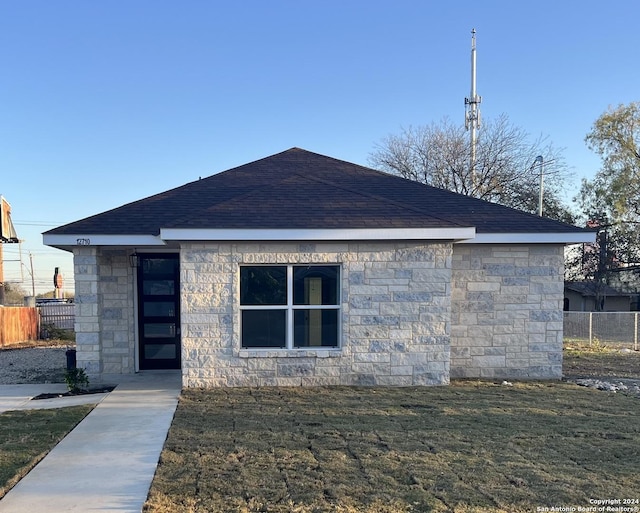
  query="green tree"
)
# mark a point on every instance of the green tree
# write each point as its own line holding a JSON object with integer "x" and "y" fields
{"x": 611, "y": 201}
{"x": 507, "y": 170}
{"x": 615, "y": 136}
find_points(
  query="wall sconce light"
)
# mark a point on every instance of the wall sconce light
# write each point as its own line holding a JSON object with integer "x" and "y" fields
{"x": 134, "y": 260}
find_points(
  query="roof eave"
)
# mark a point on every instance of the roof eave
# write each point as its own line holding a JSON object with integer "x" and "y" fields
{"x": 577, "y": 237}
{"x": 460, "y": 235}
{"x": 316, "y": 234}
{"x": 69, "y": 241}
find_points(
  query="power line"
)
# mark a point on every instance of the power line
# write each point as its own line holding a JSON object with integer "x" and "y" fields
{"x": 36, "y": 221}
{"x": 15, "y": 223}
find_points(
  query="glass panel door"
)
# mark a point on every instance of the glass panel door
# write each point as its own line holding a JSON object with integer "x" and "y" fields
{"x": 158, "y": 311}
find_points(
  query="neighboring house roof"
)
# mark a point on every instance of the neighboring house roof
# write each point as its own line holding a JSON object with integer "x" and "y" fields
{"x": 301, "y": 190}
{"x": 7, "y": 230}
{"x": 589, "y": 289}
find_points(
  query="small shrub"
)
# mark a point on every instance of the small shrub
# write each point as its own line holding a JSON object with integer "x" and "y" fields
{"x": 76, "y": 380}
{"x": 584, "y": 346}
{"x": 50, "y": 331}
{"x": 597, "y": 346}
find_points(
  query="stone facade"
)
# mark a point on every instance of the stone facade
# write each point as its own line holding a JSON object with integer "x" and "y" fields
{"x": 105, "y": 314}
{"x": 411, "y": 314}
{"x": 507, "y": 311}
{"x": 395, "y": 316}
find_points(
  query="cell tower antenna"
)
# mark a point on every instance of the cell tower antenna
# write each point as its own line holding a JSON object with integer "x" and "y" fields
{"x": 472, "y": 111}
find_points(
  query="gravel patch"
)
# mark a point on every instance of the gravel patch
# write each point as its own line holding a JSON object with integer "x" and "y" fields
{"x": 627, "y": 386}
{"x": 33, "y": 365}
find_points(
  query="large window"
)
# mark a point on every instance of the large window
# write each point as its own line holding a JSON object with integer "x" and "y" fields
{"x": 289, "y": 306}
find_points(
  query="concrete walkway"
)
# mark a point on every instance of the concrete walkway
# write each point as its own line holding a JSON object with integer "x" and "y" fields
{"x": 108, "y": 461}
{"x": 18, "y": 397}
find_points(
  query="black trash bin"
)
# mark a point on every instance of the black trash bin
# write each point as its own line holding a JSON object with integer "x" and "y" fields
{"x": 71, "y": 359}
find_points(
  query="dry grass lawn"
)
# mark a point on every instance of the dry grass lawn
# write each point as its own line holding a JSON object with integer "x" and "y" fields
{"x": 27, "y": 436}
{"x": 470, "y": 447}
{"x": 596, "y": 360}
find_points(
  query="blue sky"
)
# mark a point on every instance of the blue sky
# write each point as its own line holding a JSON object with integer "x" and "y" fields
{"x": 103, "y": 103}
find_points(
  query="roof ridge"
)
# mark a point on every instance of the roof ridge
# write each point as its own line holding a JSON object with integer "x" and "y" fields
{"x": 380, "y": 198}
{"x": 479, "y": 201}
{"x": 237, "y": 197}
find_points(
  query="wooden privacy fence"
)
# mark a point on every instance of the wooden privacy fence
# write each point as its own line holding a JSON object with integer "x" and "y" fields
{"x": 18, "y": 323}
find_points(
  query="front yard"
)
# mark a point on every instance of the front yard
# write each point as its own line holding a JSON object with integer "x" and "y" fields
{"x": 470, "y": 447}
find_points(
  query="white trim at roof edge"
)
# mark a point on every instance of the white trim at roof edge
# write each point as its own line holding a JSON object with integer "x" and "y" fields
{"x": 460, "y": 235}
{"x": 532, "y": 238}
{"x": 79, "y": 240}
{"x": 311, "y": 234}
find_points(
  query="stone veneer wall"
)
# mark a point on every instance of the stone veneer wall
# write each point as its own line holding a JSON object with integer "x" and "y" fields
{"x": 395, "y": 316}
{"x": 412, "y": 314}
{"x": 105, "y": 313}
{"x": 507, "y": 311}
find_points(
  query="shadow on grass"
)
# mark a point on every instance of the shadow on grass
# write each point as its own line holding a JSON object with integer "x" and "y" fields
{"x": 473, "y": 446}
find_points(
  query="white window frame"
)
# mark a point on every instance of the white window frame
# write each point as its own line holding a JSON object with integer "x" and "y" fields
{"x": 290, "y": 308}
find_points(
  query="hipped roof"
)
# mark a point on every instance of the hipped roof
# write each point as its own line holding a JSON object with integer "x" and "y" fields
{"x": 299, "y": 189}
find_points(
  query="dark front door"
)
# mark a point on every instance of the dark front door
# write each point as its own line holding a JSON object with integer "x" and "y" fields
{"x": 159, "y": 311}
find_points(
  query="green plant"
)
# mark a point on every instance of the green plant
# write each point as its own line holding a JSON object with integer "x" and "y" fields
{"x": 50, "y": 331}
{"x": 597, "y": 346}
{"x": 587, "y": 347}
{"x": 76, "y": 379}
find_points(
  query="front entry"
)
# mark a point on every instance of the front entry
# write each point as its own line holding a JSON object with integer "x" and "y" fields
{"x": 159, "y": 311}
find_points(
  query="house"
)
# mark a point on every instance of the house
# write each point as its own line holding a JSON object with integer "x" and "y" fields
{"x": 582, "y": 296}
{"x": 301, "y": 269}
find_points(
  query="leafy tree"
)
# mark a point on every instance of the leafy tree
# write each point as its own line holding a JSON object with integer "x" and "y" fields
{"x": 611, "y": 201}
{"x": 615, "y": 136}
{"x": 506, "y": 169}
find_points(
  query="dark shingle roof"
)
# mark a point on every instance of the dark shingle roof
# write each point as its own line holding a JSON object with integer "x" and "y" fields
{"x": 590, "y": 289}
{"x": 301, "y": 189}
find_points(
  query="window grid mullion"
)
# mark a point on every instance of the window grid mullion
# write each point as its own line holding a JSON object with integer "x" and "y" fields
{"x": 290, "y": 308}
{"x": 289, "y": 343}
{"x": 315, "y": 307}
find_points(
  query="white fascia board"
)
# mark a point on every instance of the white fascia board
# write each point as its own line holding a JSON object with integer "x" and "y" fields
{"x": 312, "y": 234}
{"x": 531, "y": 238}
{"x": 101, "y": 240}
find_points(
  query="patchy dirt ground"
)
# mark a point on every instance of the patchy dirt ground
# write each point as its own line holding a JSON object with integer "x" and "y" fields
{"x": 605, "y": 369}
{"x": 471, "y": 447}
{"x": 581, "y": 362}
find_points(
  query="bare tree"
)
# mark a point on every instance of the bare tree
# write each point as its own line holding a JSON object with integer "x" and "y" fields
{"x": 506, "y": 170}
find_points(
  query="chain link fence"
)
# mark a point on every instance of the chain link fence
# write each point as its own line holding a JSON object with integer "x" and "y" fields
{"x": 619, "y": 329}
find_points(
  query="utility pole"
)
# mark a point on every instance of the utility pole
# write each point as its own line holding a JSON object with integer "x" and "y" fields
{"x": 540, "y": 196}
{"x": 33, "y": 280}
{"x": 472, "y": 112}
{"x": 601, "y": 272}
